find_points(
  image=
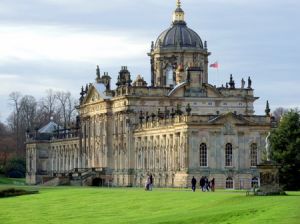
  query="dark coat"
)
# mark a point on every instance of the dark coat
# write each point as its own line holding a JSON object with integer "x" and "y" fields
{"x": 194, "y": 182}
{"x": 151, "y": 179}
{"x": 202, "y": 182}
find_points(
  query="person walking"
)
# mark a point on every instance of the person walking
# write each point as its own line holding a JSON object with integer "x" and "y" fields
{"x": 147, "y": 183}
{"x": 194, "y": 182}
{"x": 202, "y": 183}
{"x": 150, "y": 182}
{"x": 212, "y": 185}
{"x": 206, "y": 183}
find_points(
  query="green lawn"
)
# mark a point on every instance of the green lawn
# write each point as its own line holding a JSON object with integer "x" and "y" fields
{"x": 12, "y": 181}
{"x": 67, "y": 205}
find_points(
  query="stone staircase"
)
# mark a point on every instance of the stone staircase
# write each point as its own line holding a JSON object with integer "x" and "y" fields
{"x": 75, "y": 177}
{"x": 80, "y": 177}
{"x": 56, "y": 181}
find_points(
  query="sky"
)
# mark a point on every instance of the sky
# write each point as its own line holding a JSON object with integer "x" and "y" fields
{"x": 56, "y": 44}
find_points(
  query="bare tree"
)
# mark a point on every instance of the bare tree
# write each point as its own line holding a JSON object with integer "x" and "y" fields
{"x": 279, "y": 112}
{"x": 3, "y": 129}
{"x": 27, "y": 114}
{"x": 47, "y": 108}
{"x": 22, "y": 118}
{"x": 15, "y": 102}
{"x": 66, "y": 107}
{"x": 28, "y": 108}
{"x": 7, "y": 144}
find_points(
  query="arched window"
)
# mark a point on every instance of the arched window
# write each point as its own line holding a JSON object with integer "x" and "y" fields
{"x": 203, "y": 155}
{"x": 169, "y": 76}
{"x": 229, "y": 183}
{"x": 254, "y": 182}
{"x": 228, "y": 155}
{"x": 253, "y": 154}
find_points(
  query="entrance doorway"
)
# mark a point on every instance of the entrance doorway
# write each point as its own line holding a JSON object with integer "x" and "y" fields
{"x": 97, "y": 182}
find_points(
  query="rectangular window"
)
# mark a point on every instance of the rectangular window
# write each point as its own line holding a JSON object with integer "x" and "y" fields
{"x": 203, "y": 155}
{"x": 228, "y": 160}
{"x": 228, "y": 155}
{"x": 229, "y": 183}
{"x": 253, "y": 154}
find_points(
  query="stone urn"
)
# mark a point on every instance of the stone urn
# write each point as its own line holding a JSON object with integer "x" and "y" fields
{"x": 269, "y": 178}
{"x": 269, "y": 174}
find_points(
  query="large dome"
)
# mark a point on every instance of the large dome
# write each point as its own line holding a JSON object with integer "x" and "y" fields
{"x": 179, "y": 35}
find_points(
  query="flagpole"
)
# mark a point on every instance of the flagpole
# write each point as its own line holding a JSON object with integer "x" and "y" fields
{"x": 215, "y": 66}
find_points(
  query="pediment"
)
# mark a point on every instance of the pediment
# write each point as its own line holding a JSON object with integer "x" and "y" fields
{"x": 207, "y": 90}
{"x": 92, "y": 96}
{"x": 96, "y": 92}
{"x": 230, "y": 118}
{"x": 212, "y": 91}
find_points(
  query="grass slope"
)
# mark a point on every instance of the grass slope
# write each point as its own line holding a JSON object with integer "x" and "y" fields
{"x": 12, "y": 181}
{"x": 95, "y": 205}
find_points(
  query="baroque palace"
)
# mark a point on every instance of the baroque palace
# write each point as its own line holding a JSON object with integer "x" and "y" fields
{"x": 176, "y": 127}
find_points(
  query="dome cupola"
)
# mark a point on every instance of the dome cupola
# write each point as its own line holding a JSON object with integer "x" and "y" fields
{"x": 178, "y": 35}
{"x": 177, "y": 45}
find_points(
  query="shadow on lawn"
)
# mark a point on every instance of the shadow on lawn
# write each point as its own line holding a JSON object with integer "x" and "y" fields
{"x": 12, "y": 192}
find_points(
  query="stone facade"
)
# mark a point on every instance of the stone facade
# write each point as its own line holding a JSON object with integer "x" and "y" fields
{"x": 178, "y": 127}
{"x": 45, "y": 158}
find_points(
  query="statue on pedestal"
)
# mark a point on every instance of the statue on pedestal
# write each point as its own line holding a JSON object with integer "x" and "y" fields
{"x": 269, "y": 173}
{"x": 268, "y": 150}
{"x": 243, "y": 84}
{"x": 249, "y": 83}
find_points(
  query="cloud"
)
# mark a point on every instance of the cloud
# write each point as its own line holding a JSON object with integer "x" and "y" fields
{"x": 66, "y": 44}
{"x": 57, "y": 43}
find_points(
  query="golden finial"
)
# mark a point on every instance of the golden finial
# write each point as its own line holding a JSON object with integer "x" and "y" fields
{"x": 178, "y": 15}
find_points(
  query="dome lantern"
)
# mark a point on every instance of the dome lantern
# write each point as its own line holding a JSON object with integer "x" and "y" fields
{"x": 178, "y": 15}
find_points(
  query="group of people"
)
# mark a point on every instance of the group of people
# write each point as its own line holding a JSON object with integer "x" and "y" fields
{"x": 149, "y": 183}
{"x": 205, "y": 184}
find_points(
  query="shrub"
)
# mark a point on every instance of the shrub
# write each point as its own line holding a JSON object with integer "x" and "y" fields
{"x": 1, "y": 170}
{"x": 15, "y": 174}
{"x": 15, "y": 168}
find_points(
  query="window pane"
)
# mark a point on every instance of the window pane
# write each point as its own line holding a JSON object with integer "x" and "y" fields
{"x": 229, "y": 183}
{"x": 253, "y": 154}
{"x": 228, "y": 155}
{"x": 203, "y": 155}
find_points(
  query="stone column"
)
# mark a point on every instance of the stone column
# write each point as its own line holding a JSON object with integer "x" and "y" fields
{"x": 138, "y": 157}
{"x": 138, "y": 153}
{"x": 71, "y": 158}
{"x": 135, "y": 165}
{"x": 152, "y": 155}
{"x": 185, "y": 151}
{"x": 56, "y": 159}
{"x": 59, "y": 159}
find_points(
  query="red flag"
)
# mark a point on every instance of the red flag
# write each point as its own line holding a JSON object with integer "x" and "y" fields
{"x": 214, "y": 65}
